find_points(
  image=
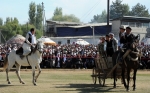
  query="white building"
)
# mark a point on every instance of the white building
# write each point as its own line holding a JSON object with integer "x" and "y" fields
{"x": 139, "y": 25}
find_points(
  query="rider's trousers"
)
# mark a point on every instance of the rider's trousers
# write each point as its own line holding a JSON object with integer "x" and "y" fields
{"x": 26, "y": 49}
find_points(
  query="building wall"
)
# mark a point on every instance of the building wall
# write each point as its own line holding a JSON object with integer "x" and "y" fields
{"x": 135, "y": 30}
{"x": 83, "y": 31}
{"x": 89, "y": 39}
{"x": 115, "y": 27}
{"x": 141, "y": 31}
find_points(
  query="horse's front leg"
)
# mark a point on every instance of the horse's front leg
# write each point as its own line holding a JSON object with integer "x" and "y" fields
{"x": 114, "y": 74}
{"x": 128, "y": 78}
{"x": 134, "y": 79}
{"x": 39, "y": 69}
{"x": 33, "y": 74}
{"x": 123, "y": 77}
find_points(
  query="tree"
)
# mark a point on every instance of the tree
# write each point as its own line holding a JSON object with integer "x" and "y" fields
{"x": 96, "y": 19}
{"x": 118, "y": 10}
{"x": 100, "y": 18}
{"x": 139, "y": 10}
{"x": 39, "y": 17}
{"x": 58, "y": 11}
{"x": 58, "y": 16}
{"x": 11, "y": 27}
{"x": 8, "y": 20}
{"x": 32, "y": 11}
{"x": 38, "y": 33}
{"x": 1, "y": 21}
{"x": 25, "y": 28}
{"x": 15, "y": 20}
{"x": 70, "y": 18}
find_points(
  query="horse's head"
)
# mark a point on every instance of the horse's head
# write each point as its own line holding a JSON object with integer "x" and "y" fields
{"x": 134, "y": 43}
{"x": 39, "y": 46}
{"x": 137, "y": 38}
{"x": 133, "y": 46}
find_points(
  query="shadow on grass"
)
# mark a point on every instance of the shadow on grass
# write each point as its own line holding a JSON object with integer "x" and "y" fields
{"x": 86, "y": 88}
{"x": 9, "y": 85}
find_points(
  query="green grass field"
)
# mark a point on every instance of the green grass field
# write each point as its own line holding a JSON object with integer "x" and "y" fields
{"x": 68, "y": 81}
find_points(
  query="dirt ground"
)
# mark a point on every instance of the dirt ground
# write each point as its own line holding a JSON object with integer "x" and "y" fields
{"x": 68, "y": 81}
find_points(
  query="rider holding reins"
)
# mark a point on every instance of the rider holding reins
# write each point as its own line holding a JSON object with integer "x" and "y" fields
{"x": 126, "y": 40}
{"x": 29, "y": 41}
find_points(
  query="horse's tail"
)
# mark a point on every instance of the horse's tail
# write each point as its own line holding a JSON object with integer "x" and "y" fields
{"x": 5, "y": 62}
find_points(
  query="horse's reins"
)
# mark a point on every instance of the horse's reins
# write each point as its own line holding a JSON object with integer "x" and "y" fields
{"x": 27, "y": 56}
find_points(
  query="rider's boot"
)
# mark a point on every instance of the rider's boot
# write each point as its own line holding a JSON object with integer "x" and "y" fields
{"x": 22, "y": 56}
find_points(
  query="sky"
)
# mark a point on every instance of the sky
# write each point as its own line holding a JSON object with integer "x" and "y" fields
{"x": 83, "y": 9}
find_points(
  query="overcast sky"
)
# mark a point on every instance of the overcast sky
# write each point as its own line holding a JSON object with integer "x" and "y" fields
{"x": 83, "y": 9}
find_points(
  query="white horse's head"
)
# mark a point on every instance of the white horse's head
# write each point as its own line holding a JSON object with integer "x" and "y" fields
{"x": 39, "y": 46}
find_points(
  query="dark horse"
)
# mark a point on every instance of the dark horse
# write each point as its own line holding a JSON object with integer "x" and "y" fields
{"x": 130, "y": 62}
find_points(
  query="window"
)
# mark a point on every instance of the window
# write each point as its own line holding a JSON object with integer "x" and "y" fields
{"x": 68, "y": 41}
{"x": 138, "y": 24}
{"x": 59, "y": 42}
{"x": 146, "y": 25}
{"x": 125, "y": 23}
{"x": 132, "y": 24}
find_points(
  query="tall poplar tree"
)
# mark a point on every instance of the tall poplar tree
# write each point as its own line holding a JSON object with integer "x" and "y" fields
{"x": 32, "y": 13}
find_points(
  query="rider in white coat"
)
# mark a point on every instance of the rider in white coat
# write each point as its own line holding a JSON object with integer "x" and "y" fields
{"x": 29, "y": 41}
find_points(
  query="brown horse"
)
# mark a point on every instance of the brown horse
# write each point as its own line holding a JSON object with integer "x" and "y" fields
{"x": 130, "y": 62}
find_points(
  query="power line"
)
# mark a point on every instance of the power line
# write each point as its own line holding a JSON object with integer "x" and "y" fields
{"x": 89, "y": 10}
{"x": 88, "y": 13}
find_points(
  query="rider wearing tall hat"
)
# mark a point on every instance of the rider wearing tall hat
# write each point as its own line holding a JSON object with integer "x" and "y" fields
{"x": 29, "y": 41}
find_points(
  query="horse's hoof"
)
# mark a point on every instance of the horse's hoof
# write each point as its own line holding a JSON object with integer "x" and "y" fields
{"x": 35, "y": 85}
{"x": 114, "y": 86}
{"x": 128, "y": 90}
{"x": 134, "y": 89}
{"x": 9, "y": 83}
{"x": 23, "y": 83}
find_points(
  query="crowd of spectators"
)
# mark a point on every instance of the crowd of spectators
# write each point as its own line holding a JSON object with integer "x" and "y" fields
{"x": 61, "y": 56}
{"x": 145, "y": 59}
{"x": 71, "y": 56}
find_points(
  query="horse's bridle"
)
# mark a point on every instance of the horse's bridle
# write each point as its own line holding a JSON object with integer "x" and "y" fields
{"x": 39, "y": 49}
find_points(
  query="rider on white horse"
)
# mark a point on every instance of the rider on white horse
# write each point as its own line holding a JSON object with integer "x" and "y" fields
{"x": 29, "y": 41}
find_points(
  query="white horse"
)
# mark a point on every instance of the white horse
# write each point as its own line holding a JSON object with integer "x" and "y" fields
{"x": 32, "y": 60}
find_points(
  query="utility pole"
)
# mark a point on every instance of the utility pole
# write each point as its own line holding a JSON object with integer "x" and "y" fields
{"x": 43, "y": 17}
{"x": 107, "y": 15}
{"x": 27, "y": 26}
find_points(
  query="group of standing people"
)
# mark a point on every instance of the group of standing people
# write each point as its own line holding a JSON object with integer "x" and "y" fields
{"x": 109, "y": 44}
